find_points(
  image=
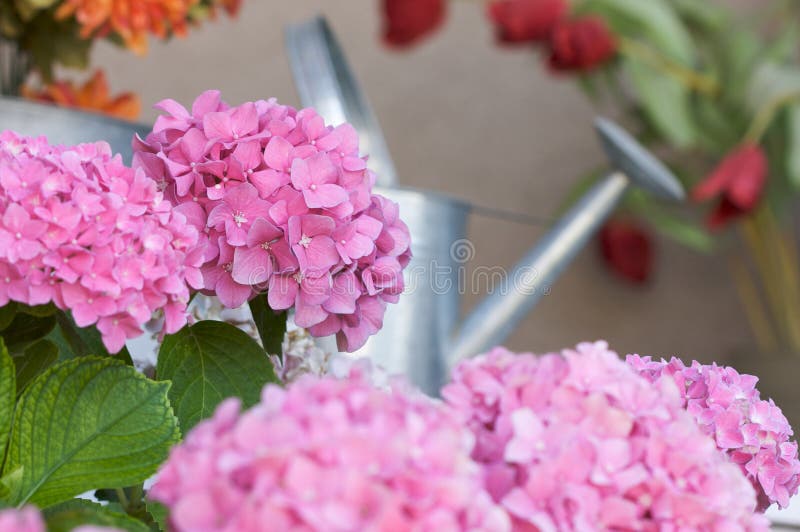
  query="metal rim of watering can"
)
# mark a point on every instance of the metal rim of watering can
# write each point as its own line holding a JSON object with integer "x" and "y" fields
{"x": 37, "y": 119}
{"x": 325, "y": 81}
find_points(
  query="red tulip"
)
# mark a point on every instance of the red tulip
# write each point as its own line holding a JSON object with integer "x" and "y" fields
{"x": 521, "y": 21}
{"x": 406, "y": 22}
{"x": 627, "y": 250}
{"x": 581, "y": 44}
{"x": 738, "y": 181}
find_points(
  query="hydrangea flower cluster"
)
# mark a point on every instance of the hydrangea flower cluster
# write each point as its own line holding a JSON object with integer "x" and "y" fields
{"x": 752, "y": 432}
{"x": 27, "y": 519}
{"x": 578, "y": 441}
{"x": 327, "y": 454}
{"x": 83, "y": 231}
{"x": 285, "y": 204}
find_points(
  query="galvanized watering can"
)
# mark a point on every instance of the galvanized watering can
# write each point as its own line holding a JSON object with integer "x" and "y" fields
{"x": 424, "y": 335}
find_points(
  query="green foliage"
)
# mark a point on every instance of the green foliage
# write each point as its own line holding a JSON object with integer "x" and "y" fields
{"x": 68, "y": 515}
{"x": 7, "y": 396}
{"x": 208, "y": 362}
{"x": 26, "y": 329}
{"x": 34, "y": 360}
{"x": 74, "y": 341}
{"x": 271, "y": 325}
{"x": 159, "y": 513}
{"x": 655, "y": 20}
{"x": 665, "y": 102}
{"x": 85, "y": 423}
{"x": 7, "y": 314}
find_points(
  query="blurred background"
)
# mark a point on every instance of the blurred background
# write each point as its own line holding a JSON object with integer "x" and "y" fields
{"x": 480, "y": 122}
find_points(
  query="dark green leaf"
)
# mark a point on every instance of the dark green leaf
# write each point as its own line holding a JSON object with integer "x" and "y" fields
{"x": 7, "y": 314}
{"x": 209, "y": 362}
{"x": 85, "y": 423}
{"x": 30, "y": 363}
{"x": 26, "y": 329}
{"x": 271, "y": 325}
{"x": 7, "y": 396}
{"x": 71, "y": 514}
{"x": 74, "y": 341}
{"x": 40, "y": 311}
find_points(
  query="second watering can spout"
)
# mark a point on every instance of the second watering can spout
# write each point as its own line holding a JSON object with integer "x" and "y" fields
{"x": 498, "y": 315}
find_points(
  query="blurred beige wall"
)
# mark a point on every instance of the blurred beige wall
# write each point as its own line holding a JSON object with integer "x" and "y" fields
{"x": 465, "y": 117}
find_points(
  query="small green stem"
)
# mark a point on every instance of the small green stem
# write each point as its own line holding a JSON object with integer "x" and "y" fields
{"x": 123, "y": 499}
{"x": 691, "y": 79}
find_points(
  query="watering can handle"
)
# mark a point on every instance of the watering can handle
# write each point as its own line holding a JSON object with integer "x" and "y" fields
{"x": 324, "y": 81}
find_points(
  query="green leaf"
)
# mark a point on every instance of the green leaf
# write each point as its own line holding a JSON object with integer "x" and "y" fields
{"x": 7, "y": 396}
{"x": 159, "y": 513}
{"x": 30, "y": 363}
{"x": 271, "y": 325}
{"x": 665, "y": 102}
{"x": 7, "y": 314}
{"x": 9, "y": 483}
{"x": 85, "y": 423}
{"x": 71, "y": 514}
{"x": 705, "y": 15}
{"x": 209, "y": 362}
{"x": 793, "y": 150}
{"x": 74, "y": 341}
{"x": 26, "y": 329}
{"x": 40, "y": 311}
{"x": 736, "y": 53}
{"x": 683, "y": 232}
{"x": 654, "y": 20}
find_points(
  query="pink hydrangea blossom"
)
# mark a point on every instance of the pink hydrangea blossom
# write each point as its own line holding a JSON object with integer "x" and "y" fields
{"x": 285, "y": 205}
{"x": 327, "y": 454}
{"x": 83, "y": 231}
{"x": 578, "y": 441}
{"x": 752, "y": 432}
{"x": 27, "y": 519}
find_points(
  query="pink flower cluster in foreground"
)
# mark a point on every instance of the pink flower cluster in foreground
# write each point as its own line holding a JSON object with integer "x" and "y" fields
{"x": 325, "y": 454}
{"x": 753, "y": 432}
{"x": 93, "y": 236}
{"x": 27, "y": 519}
{"x": 285, "y": 204}
{"x": 578, "y": 441}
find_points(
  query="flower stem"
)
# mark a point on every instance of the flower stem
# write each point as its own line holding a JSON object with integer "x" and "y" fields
{"x": 691, "y": 79}
{"x": 123, "y": 499}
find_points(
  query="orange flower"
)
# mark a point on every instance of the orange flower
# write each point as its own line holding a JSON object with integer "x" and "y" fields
{"x": 132, "y": 20}
{"x": 92, "y": 95}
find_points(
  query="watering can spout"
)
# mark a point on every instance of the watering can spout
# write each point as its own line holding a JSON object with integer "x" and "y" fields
{"x": 497, "y": 316}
